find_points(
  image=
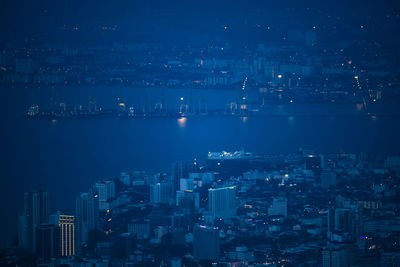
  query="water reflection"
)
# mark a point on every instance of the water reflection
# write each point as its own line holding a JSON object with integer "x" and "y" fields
{"x": 243, "y": 119}
{"x": 182, "y": 122}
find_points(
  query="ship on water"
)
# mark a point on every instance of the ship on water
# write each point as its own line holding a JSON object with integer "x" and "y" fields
{"x": 237, "y": 162}
{"x": 34, "y": 112}
{"x": 224, "y": 155}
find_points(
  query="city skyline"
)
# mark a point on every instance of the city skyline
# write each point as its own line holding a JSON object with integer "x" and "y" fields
{"x": 200, "y": 133}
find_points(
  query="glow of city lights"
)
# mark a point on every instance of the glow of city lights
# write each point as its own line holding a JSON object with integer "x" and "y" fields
{"x": 182, "y": 122}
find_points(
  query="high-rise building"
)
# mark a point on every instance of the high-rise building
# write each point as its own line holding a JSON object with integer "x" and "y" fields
{"x": 47, "y": 242}
{"x": 205, "y": 243}
{"x": 36, "y": 212}
{"x": 81, "y": 223}
{"x": 162, "y": 193}
{"x": 87, "y": 216}
{"x": 23, "y": 236}
{"x": 67, "y": 227}
{"x": 278, "y": 207}
{"x": 222, "y": 202}
{"x": 348, "y": 220}
{"x": 181, "y": 170}
{"x": 66, "y": 223}
{"x": 105, "y": 191}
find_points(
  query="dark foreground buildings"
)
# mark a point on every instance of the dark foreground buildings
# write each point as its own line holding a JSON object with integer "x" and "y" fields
{"x": 234, "y": 209}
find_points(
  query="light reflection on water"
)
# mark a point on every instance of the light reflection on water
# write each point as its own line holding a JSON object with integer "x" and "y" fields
{"x": 182, "y": 122}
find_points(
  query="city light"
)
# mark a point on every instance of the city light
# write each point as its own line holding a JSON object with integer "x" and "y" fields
{"x": 188, "y": 134}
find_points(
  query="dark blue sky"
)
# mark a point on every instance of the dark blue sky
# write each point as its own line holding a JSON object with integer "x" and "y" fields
{"x": 18, "y": 16}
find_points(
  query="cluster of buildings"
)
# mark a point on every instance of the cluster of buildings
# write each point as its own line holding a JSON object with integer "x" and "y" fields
{"x": 301, "y": 64}
{"x": 233, "y": 209}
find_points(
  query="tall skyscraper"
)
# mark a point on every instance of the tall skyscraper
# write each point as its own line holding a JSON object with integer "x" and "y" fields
{"x": 47, "y": 242}
{"x": 181, "y": 170}
{"x": 36, "y": 212}
{"x": 81, "y": 216}
{"x": 66, "y": 223}
{"x": 222, "y": 202}
{"x": 205, "y": 243}
{"x": 87, "y": 215}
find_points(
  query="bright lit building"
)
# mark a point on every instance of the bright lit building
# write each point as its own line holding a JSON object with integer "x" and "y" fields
{"x": 66, "y": 223}
{"x": 67, "y": 231}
